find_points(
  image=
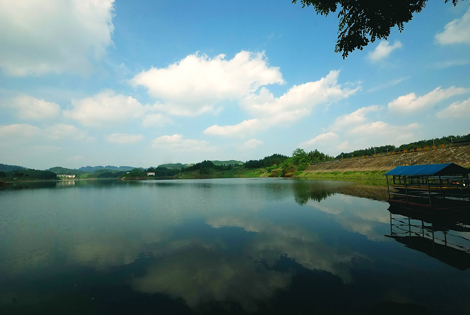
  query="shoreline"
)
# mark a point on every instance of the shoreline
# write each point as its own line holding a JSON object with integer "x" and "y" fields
{"x": 357, "y": 188}
{"x": 369, "y": 178}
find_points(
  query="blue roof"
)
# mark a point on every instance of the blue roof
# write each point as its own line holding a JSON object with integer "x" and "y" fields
{"x": 429, "y": 169}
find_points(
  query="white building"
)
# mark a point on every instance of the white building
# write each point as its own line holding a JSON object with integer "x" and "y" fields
{"x": 66, "y": 176}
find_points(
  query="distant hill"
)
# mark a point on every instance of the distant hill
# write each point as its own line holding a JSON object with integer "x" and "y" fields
{"x": 178, "y": 166}
{"x": 126, "y": 168}
{"x": 173, "y": 166}
{"x": 92, "y": 169}
{"x": 229, "y": 162}
{"x": 465, "y": 139}
{"x": 9, "y": 168}
{"x": 63, "y": 170}
{"x": 119, "y": 168}
{"x": 13, "y": 172}
{"x": 100, "y": 171}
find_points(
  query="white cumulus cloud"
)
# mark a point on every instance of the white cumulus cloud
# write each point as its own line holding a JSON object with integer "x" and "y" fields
{"x": 195, "y": 84}
{"x": 30, "y": 108}
{"x": 411, "y": 103}
{"x": 383, "y": 50}
{"x": 380, "y": 133}
{"x": 243, "y": 129}
{"x": 456, "y": 110}
{"x": 155, "y": 120}
{"x": 176, "y": 143}
{"x": 456, "y": 31}
{"x": 250, "y": 144}
{"x": 343, "y": 146}
{"x": 328, "y": 136}
{"x": 366, "y": 135}
{"x": 11, "y": 133}
{"x": 53, "y": 36}
{"x": 299, "y": 100}
{"x": 123, "y": 138}
{"x": 68, "y": 132}
{"x": 18, "y": 130}
{"x": 105, "y": 108}
{"x": 356, "y": 117}
{"x": 293, "y": 105}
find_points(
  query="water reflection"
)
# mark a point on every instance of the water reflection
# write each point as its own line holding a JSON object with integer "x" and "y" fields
{"x": 264, "y": 246}
{"x": 316, "y": 190}
{"x": 274, "y": 241}
{"x": 203, "y": 273}
{"x": 354, "y": 214}
{"x": 439, "y": 237}
{"x": 65, "y": 183}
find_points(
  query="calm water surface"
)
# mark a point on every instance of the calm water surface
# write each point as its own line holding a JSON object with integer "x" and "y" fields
{"x": 222, "y": 246}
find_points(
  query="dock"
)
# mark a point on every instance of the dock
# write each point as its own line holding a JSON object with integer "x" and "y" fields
{"x": 436, "y": 187}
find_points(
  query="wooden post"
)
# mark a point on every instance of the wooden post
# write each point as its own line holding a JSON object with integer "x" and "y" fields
{"x": 409, "y": 228}
{"x": 432, "y": 227}
{"x": 388, "y": 189}
{"x": 468, "y": 188}
{"x": 440, "y": 183}
{"x": 406, "y": 190}
{"x": 419, "y": 189}
{"x": 429, "y": 190}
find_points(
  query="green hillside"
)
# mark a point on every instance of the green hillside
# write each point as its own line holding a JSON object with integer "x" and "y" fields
{"x": 63, "y": 170}
{"x": 27, "y": 174}
{"x": 9, "y": 168}
{"x": 172, "y": 166}
{"x": 228, "y": 162}
{"x": 407, "y": 146}
{"x": 91, "y": 169}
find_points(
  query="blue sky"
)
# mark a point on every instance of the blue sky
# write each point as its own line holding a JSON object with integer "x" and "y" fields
{"x": 142, "y": 83}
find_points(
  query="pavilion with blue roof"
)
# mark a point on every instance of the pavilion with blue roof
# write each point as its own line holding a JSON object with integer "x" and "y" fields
{"x": 431, "y": 185}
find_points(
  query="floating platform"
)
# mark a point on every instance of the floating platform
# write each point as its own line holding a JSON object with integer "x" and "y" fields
{"x": 433, "y": 187}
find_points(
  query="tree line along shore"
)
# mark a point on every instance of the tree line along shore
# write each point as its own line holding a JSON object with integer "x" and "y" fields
{"x": 360, "y": 165}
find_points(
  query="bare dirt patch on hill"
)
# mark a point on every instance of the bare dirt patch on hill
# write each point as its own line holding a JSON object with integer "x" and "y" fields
{"x": 457, "y": 155}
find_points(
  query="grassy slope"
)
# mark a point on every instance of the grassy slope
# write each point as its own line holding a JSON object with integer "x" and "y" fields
{"x": 360, "y": 175}
{"x": 371, "y": 170}
{"x": 374, "y": 178}
{"x": 233, "y": 173}
{"x": 227, "y": 162}
{"x": 457, "y": 155}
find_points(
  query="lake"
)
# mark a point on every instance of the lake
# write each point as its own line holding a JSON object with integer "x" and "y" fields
{"x": 223, "y": 246}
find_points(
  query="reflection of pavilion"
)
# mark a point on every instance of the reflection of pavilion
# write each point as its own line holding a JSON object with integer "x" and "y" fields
{"x": 442, "y": 238}
{"x": 64, "y": 183}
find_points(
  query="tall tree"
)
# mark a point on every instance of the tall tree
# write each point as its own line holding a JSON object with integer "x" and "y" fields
{"x": 364, "y": 21}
